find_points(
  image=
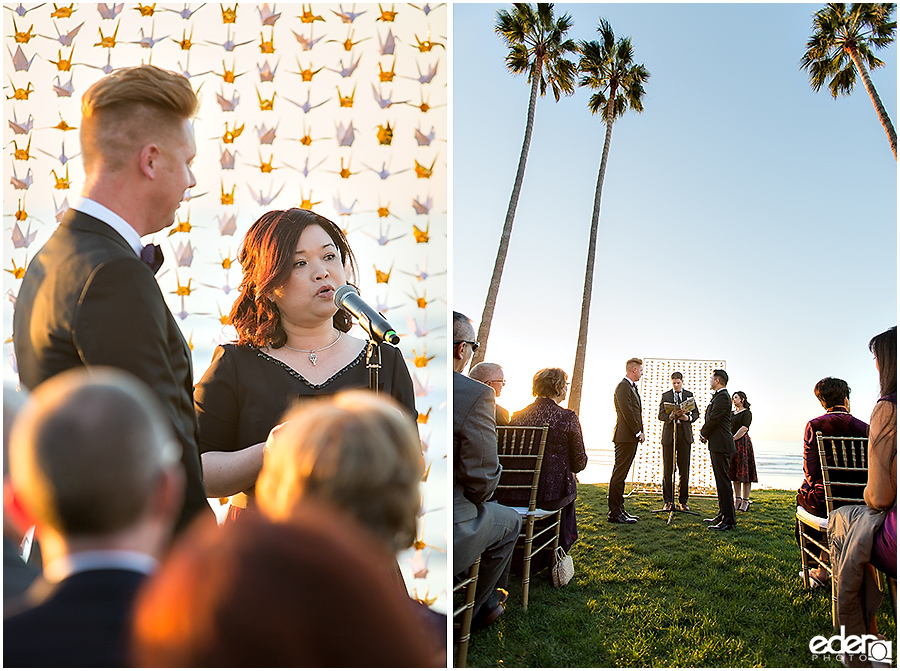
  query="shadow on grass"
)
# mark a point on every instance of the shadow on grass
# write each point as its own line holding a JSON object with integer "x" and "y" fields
{"x": 652, "y": 595}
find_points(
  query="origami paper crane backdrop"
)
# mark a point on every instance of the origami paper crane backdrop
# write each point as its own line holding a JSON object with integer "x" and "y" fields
{"x": 336, "y": 108}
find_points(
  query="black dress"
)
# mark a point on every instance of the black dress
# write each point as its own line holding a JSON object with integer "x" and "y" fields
{"x": 742, "y": 467}
{"x": 245, "y": 392}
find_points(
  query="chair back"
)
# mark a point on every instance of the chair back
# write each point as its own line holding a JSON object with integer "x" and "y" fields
{"x": 844, "y": 462}
{"x": 521, "y": 453}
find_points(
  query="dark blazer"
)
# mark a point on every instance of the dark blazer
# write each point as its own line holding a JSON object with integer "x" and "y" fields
{"x": 88, "y": 300}
{"x": 628, "y": 413}
{"x": 17, "y": 575}
{"x": 685, "y": 430}
{"x": 476, "y": 467}
{"x": 717, "y": 423}
{"x": 84, "y": 621}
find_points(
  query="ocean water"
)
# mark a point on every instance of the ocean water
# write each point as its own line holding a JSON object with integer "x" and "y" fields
{"x": 779, "y": 464}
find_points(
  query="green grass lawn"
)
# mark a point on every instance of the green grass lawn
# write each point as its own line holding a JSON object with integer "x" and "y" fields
{"x": 652, "y": 595}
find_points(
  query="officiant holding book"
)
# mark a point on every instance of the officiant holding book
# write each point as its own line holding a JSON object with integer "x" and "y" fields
{"x": 677, "y": 414}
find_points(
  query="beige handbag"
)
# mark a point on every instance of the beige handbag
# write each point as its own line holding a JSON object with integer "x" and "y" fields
{"x": 563, "y": 569}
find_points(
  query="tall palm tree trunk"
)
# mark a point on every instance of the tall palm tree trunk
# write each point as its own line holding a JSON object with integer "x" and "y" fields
{"x": 490, "y": 302}
{"x": 876, "y": 100}
{"x": 581, "y": 347}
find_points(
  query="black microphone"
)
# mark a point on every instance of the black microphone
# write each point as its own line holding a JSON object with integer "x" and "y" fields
{"x": 347, "y": 297}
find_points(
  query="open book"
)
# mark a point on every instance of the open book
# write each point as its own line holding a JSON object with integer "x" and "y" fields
{"x": 685, "y": 406}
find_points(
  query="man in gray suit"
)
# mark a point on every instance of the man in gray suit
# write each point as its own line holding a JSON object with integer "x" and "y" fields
{"x": 480, "y": 527}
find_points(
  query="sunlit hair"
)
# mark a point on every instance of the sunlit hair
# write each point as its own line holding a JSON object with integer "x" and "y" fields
{"x": 87, "y": 451}
{"x": 267, "y": 260}
{"x": 462, "y": 326}
{"x": 884, "y": 347}
{"x": 485, "y": 371}
{"x": 549, "y": 383}
{"x": 744, "y": 402}
{"x": 358, "y": 452}
{"x": 130, "y": 108}
{"x": 721, "y": 375}
{"x": 633, "y": 362}
{"x": 831, "y": 391}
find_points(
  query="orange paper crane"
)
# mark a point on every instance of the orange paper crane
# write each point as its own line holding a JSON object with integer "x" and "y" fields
{"x": 62, "y": 12}
{"x": 422, "y": 172}
{"x": 266, "y": 105}
{"x": 423, "y": 419}
{"x": 63, "y": 126}
{"x": 421, "y": 301}
{"x": 423, "y": 599}
{"x": 61, "y": 182}
{"x": 345, "y": 173}
{"x": 64, "y": 64}
{"x": 108, "y": 41}
{"x": 21, "y": 214}
{"x": 386, "y": 15}
{"x": 229, "y": 75}
{"x": 307, "y": 203}
{"x": 348, "y": 44}
{"x": 229, "y": 15}
{"x": 20, "y": 94}
{"x": 182, "y": 226}
{"x": 382, "y": 277}
{"x": 229, "y": 136}
{"x": 146, "y": 10}
{"x": 182, "y": 289}
{"x": 386, "y": 75}
{"x": 266, "y": 167}
{"x": 17, "y": 272}
{"x": 267, "y": 46}
{"x": 421, "y": 360}
{"x": 346, "y": 101}
{"x": 307, "y": 74}
{"x": 307, "y": 138}
{"x": 22, "y": 154}
{"x": 427, "y": 45}
{"x": 385, "y": 134}
{"x": 420, "y": 235}
{"x": 186, "y": 41}
{"x": 227, "y": 198}
{"x": 23, "y": 37}
{"x": 307, "y": 15}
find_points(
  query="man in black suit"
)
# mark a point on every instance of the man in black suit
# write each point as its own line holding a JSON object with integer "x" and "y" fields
{"x": 480, "y": 527}
{"x": 628, "y": 433}
{"x": 87, "y": 297}
{"x": 681, "y": 422}
{"x": 716, "y": 431}
{"x": 95, "y": 464}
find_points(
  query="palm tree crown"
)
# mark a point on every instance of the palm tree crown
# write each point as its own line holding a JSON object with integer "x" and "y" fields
{"x": 538, "y": 46}
{"x": 609, "y": 69}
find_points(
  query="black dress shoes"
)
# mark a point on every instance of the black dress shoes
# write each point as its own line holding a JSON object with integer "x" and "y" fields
{"x": 621, "y": 518}
{"x": 713, "y": 520}
{"x": 490, "y": 610}
{"x": 721, "y": 526}
{"x": 669, "y": 506}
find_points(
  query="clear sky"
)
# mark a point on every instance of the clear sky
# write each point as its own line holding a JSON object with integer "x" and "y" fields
{"x": 744, "y": 216}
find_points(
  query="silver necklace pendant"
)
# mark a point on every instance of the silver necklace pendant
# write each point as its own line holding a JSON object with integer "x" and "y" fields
{"x": 312, "y": 358}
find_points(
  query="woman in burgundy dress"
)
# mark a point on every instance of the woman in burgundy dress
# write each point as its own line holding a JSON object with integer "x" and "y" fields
{"x": 564, "y": 454}
{"x": 742, "y": 469}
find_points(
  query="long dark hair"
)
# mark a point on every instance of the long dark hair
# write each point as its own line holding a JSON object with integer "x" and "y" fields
{"x": 884, "y": 347}
{"x": 743, "y": 398}
{"x": 266, "y": 257}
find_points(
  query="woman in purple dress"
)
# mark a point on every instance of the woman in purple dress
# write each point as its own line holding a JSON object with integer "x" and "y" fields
{"x": 742, "y": 469}
{"x": 564, "y": 454}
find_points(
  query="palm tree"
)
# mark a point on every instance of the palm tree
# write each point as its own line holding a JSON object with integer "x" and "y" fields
{"x": 607, "y": 68}
{"x": 537, "y": 47}
{"x": 843, "y": 40}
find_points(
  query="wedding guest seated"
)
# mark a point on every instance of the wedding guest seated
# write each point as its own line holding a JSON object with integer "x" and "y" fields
{"x": 863, "y": 537}
{"x": 564, "y": 453}
{"x": 834, "y": 395}
{"x": 491, "y": 374}
{"x": 302, "y": 592}
{"x": 95, "y": 463}
{"x": 359, "y": 453}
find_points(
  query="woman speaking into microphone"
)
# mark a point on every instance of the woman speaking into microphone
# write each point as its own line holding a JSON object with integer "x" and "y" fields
{"x": 292, "y": 342}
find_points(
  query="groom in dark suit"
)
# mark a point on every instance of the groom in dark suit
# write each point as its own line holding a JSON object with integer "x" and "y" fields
{"x": 682, "y": 446}
{"x": 88, "y": 297}
{"x": 716, "y": 431}
{"x": 628, "y": 433}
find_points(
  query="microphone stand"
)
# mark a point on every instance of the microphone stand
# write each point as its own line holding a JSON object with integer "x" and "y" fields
{"x": 373, "y": 361}
{"x": 674, "y": 509}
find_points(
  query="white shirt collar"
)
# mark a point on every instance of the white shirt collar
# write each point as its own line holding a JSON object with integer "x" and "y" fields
{"x": 60, "y": 569}
{"x": 94, "y": 209}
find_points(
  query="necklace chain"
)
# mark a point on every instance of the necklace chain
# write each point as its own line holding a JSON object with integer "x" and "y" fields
{"x": 312, "y": 352}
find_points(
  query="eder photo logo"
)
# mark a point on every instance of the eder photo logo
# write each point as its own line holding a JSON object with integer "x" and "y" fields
{"x": 865, "y": 648}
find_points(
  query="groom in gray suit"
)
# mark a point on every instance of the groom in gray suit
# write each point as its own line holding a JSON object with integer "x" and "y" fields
{"x": 480, "y": 527}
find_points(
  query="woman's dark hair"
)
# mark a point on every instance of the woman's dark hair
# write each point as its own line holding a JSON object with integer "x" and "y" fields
{"x": 743, "y": 398}
{"x": 267, "y": 257}
{"x": 831, "y": 391}
{"x": 884, "y": 347}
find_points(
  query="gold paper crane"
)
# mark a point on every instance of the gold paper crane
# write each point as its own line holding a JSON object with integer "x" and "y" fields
{"x": 423, "y": 419}
{"x": 387, "y": 75}
{"x": 307, "y": 203}
{"x": 190, "y": 337}
{"x": 224, "y": 320}
{"x": 382, "y": 277}
{"x": 108, "y": 42}
{"x": 307, "y": 15}
{"x": 427, "y": 45}
{"x": 385, "y": 134}
{"x": 421, "y": 301}
{"x": 63, "y": 126}
{"x": 23, "y": 37}
{"x": 22, "y": 154}
{"x": 229, "y": 136}
{"x": 266, "y": 105}
{"x": 229, "y": 75}
{"x": 421, "y": 360}
{"x": 146, "y": 10}
{"x": 227, "y": 261}
{"x": 266, "y": 167}
{"x": 182, "y": 290}
{"x": 229, "y": 15}
{"x": 182, "y": 226}
{"x": 345, "y": 172}
{"x": 348, "y": 44}
{"x": 227, "y": 198}
{"x": 186, "y": 41}
{"x": 64, "y": 64}
{"x": 307, "y": 138}
{"x": 61, "y": 182}
{"x": 386, "y": 15}
{"x": 267, "y": 47}
{"x": 21, "y": 214}
{"x": 17, "y": 272}
{"x": 424, "y": 599}
{"x": 346, "y": 101}
{"x": 384, "y": 210}
{"x": 20, "y": 94}
{"x": 307, "y": 74}
{"x": 62, "y": 12}
{"x": 419, "y": 234}
{"x": 422, "y": 172}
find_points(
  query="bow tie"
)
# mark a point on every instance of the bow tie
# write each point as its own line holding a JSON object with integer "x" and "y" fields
{"x": 152, "y": 255}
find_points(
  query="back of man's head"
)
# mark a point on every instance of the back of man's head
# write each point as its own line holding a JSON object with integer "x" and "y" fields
{"x": 484, "y": 371}
{"x": 129, "y": 108}
{"x": 721, "y": 375}
{"x": 462, "y": 327}
{"x": 88, "y": 450}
